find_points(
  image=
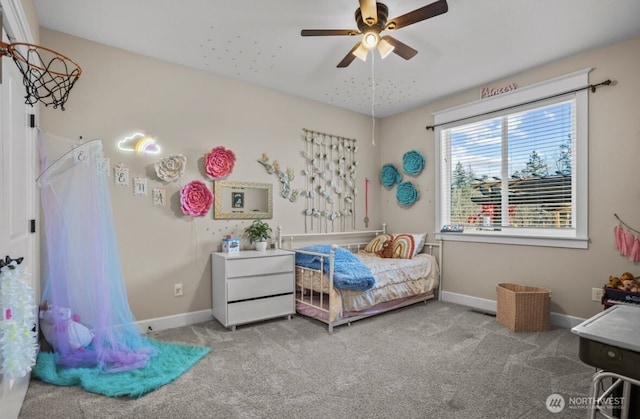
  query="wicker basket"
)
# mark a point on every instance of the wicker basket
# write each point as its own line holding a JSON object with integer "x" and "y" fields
{"x": 522, "y": 308}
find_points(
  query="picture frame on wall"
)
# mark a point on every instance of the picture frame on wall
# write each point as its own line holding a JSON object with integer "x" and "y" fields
{"x": 238, "y": 199}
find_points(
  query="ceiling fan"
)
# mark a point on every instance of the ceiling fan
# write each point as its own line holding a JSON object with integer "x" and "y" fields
{"x": 371, "y": 19}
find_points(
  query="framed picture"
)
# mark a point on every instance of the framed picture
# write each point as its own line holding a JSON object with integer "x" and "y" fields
{"x": 237, "y": 198}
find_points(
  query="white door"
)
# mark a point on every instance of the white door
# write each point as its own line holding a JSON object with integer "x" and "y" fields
{"x": 18, "y": 201}
{"x": 18, "y": 190}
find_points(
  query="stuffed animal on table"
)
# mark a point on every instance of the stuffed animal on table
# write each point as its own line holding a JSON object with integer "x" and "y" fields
{"x": 387, "y": 249}
{"x": 57, "y": 323}
{"x": 628, "y": 282}
{"x": 614, "y": 282}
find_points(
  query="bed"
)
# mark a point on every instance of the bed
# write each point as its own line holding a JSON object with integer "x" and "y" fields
{"x": 340, "y": 278}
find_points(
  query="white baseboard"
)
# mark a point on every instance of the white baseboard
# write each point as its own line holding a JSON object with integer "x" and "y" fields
{"x": 556, "y": 319}
{"x": 12, "y": 392}
{"x": 177, "y": 320}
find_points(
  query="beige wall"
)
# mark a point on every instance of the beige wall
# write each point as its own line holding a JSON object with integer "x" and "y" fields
{"x": 32, "y": 19}
{"x": 190, "y": 112}
{"x": 614, "y": 149}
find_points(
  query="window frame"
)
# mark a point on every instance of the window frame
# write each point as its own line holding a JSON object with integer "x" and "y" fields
{"x": 573, "y": 84}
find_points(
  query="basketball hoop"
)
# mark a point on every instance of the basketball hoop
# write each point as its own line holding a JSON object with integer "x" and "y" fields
{"x": 47, "y": 75}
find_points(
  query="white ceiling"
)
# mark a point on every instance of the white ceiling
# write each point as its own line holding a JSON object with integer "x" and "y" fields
{"x": 258, "y": 41}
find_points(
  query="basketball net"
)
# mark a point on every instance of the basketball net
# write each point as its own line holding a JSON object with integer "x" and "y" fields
{"x": 48, "y": 76}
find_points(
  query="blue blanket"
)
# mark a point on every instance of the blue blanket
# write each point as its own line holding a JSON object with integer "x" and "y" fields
{"x": 348, "y": 271}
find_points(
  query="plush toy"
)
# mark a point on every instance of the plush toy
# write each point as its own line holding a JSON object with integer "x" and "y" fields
{"x": 58, "y": 323}
{"x": 628, "y": 282}
{"x": 614, "y": 282}
{"x": 387, "y": 250}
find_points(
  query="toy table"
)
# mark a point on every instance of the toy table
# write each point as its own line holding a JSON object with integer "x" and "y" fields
{"x": 610, "y": 341}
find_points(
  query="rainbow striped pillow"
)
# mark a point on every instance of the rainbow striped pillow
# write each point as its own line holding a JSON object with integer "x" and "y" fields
{"x": 376, "y": 244}
{"x": 403, "y": 246}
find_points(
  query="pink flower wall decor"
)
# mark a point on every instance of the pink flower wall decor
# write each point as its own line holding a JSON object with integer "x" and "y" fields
{"x": 218, "y": 163}
{"x": 195, "y": 198}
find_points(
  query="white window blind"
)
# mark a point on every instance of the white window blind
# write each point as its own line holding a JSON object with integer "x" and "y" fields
{"x": 517, "y": 173}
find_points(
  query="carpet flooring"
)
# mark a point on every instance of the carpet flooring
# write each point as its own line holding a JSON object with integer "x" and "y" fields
{"x": 431, "y": 360}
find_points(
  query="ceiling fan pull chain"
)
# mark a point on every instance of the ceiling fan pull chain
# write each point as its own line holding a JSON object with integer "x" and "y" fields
{"x": 373, "y": 101}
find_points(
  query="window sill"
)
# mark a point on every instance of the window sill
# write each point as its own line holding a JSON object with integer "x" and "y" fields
{"x": 478, "y": 237}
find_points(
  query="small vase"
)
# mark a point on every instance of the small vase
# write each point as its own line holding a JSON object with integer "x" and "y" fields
{"x": 261, "y": 246}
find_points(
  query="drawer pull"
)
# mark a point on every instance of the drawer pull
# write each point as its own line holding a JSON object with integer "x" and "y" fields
{"x": 260, "y": 298}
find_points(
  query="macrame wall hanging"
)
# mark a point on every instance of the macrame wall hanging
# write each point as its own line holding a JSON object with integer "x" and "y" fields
{"x": 330, "y": 182}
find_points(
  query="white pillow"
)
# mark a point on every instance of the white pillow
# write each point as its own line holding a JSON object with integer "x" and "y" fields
{"x": 419, "y": 240}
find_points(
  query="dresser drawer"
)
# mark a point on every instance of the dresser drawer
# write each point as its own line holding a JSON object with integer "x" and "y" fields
{"x": 262, "y": 266}
{"x": 263, "y": 308}
{"x": 259, "y": 286}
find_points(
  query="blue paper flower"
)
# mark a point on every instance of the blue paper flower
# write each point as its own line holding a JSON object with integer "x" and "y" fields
{"x": 389, "y": 175}
{"x": 412, "y": 163}
{"x": 407, "y": 194}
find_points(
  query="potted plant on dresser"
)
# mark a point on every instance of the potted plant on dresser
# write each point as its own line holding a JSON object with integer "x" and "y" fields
{"x": 259, "y": 232}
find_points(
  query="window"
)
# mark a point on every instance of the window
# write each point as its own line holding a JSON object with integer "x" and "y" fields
{"x": 517, "y": 173}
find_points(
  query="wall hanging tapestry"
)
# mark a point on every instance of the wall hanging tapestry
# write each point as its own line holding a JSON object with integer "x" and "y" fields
{"x": 331, "y": 173}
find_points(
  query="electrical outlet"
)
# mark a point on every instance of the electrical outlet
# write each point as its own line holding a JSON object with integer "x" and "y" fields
{"x": 177, "y": 289}
{"x": 596, "y": 294}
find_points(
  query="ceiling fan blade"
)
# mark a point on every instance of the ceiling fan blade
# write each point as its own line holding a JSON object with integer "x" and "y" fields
{"x": 348, "y": 59}
{"x": 329, "y": 32}
{"x": 369, "y": 11}
{"x": 434, "y": 9}
{"x": 400, "y": 48}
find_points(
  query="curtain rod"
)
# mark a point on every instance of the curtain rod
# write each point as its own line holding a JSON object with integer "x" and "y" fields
{"x": 593, "y": 88}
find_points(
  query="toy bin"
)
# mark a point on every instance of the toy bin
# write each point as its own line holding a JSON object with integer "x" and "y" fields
{"x": 522, "y": 308}
{"x": 613, "y": 296}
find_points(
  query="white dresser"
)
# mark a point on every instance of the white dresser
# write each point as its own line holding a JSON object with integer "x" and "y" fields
{"x": 249, "y": 286}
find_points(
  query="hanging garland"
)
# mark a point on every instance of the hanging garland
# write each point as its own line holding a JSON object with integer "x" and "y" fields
{"x": 626, "y": 240}
{"x": 18, "y": 348}
{"x": 389, "y": 175}
{"x": 412, "y": 163}
{"x": 407, "y": 194}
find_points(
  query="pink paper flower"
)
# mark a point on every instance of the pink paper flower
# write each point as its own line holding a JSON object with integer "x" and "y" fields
{"x": 195, "y": 198}
{"x": 218, "y": 163}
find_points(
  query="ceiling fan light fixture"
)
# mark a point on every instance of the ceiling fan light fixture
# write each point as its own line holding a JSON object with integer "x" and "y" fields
{"x": 370, "y": 39}
{"x": 385, "y": 48}
{"x": 361, "y": 52}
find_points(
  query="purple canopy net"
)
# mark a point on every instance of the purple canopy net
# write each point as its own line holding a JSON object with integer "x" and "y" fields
{"x": 84, "y": 313}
